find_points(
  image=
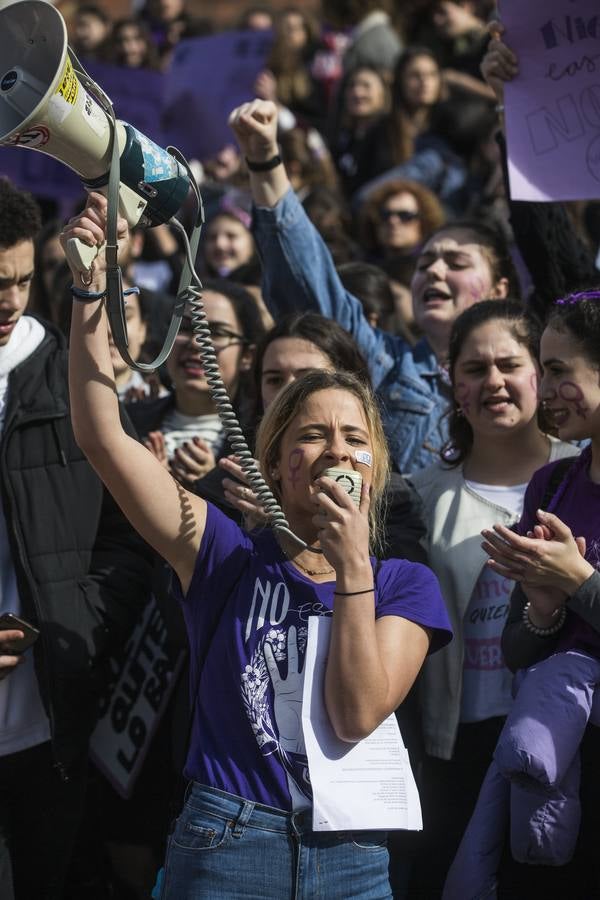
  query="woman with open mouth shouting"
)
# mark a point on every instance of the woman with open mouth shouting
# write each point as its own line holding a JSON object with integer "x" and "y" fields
{"x": 460, "y": 264}
{"x": 250, "y": 606}
{"x": 497, "y": 441}
{"x": 552, "y": 635}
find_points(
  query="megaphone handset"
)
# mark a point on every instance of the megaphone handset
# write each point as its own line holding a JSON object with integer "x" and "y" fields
{"x": 131, "y": 207}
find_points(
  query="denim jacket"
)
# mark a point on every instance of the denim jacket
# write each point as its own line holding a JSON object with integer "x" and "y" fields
{"x": 299, "y": 275}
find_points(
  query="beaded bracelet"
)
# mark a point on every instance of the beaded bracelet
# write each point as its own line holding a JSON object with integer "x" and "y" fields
{"x": 352, "y": 593}
{"x": 551, "y": 629}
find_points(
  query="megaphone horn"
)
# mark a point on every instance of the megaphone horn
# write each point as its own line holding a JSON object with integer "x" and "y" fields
{"x": 45, "y": 106}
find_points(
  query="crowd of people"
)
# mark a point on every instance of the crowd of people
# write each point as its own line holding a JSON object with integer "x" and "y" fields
{"x": 378, "y": 304}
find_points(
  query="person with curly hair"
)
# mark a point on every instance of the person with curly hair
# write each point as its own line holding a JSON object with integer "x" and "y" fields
{"x": 398, "y": 218}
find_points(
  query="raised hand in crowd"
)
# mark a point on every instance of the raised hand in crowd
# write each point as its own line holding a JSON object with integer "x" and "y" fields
{"x": 255, "y": 127}
{"x": 499, "y": 64}
{"x": 265, "y": 86}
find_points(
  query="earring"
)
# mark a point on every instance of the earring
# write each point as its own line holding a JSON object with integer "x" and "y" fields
{"x": 459, "y": 411}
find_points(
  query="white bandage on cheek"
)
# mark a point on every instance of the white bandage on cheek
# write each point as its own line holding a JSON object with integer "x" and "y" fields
{"x": 364, "y": 457}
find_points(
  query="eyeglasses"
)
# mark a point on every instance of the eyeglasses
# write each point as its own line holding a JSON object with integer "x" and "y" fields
{"x": 405, "y": 215}
{"x": 221, "y": 337}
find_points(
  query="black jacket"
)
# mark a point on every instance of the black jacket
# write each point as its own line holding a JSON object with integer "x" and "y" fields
{"x": 82, "y": 571}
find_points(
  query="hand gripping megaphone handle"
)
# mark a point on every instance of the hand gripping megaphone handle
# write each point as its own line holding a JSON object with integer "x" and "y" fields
{"x": 81, "y": 255}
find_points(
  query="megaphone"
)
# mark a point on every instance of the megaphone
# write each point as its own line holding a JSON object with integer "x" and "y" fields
{"x": 45, "y": 106}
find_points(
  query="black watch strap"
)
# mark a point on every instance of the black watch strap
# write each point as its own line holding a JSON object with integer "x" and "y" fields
{"x": 264, "y": 166}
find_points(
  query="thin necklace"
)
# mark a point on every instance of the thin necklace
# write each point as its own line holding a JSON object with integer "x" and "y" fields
{"x": 310, "y": 571}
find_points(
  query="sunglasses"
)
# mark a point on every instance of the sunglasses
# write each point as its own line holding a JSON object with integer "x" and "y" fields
{"x": 405, "y": 215}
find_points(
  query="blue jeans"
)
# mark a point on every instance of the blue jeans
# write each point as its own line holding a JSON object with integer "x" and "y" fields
{"x": 227, "y": 848}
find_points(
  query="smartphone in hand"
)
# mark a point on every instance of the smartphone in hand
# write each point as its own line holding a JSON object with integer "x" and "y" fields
{"x": 11, "y": 622}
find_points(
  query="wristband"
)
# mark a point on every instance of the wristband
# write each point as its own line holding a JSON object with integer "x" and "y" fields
{"x": 92, "y": 296}
{"x": 551, "y": 629}
{"x": 264, "y": 166}
{"x": 352, "y": 593}
{"x": 87, "y": 296}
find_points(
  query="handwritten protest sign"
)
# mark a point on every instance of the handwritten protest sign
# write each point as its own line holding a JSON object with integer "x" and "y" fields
{"x": 553, "y": 106}
{"x": 144, "y": 678}
{"x": 207, "y": 78}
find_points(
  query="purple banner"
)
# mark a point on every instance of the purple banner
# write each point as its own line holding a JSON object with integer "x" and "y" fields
{"x": 553, "y": 106}
{"x": 42, "y": 175}
{"x": 136, "y": 95}
{"x": 208, "y": 77}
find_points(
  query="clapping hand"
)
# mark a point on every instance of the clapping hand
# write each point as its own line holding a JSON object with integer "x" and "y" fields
{"x": 549, "y": 557}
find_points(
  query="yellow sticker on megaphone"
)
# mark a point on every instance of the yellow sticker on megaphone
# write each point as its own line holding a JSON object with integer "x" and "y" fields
{"x": 68, "y": 85}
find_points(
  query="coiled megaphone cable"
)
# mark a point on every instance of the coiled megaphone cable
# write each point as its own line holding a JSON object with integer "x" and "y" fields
{"x": 227, "y": 415}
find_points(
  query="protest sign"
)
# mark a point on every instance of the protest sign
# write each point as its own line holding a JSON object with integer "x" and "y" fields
{"x": 552, "y": 107}
{"x": 207, "y": 78}
{"x": 144, "y": 679}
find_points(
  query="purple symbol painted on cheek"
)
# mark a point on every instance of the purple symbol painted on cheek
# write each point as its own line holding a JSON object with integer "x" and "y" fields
{"x": 294, "y": 465}
{"x": 572, "y": 393}
{"x": 476, "y": 289}
{"x": 463, "y": 396}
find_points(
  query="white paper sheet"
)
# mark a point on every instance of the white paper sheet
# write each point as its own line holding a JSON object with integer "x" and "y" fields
{"x": 367, "y": 785}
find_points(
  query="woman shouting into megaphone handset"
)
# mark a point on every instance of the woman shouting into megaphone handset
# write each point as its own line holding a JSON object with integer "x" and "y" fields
{"x": 246, "y": 826}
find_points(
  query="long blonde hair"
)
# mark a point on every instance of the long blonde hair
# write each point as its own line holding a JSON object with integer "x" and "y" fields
{"x": 286, "y": 407}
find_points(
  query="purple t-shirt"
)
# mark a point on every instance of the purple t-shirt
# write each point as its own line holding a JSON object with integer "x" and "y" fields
{"x": 579, "y": 508}
{"x": 247, "y": 730}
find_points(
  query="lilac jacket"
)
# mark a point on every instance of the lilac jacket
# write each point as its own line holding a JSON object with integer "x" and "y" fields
{"x": 534, "y": 777}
